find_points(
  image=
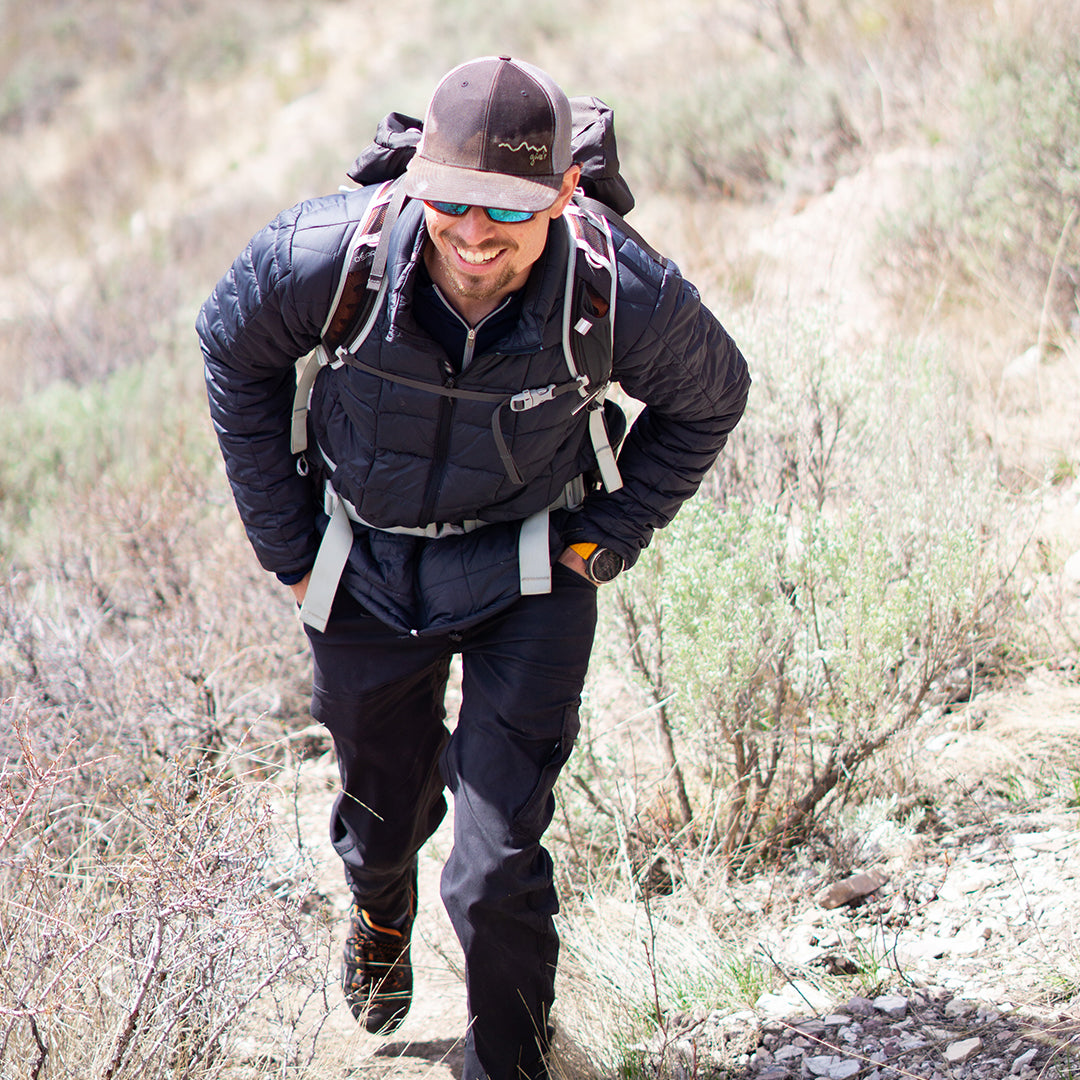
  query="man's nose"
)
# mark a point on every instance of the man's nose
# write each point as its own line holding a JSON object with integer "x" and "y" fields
{"x": 474, "y": 225}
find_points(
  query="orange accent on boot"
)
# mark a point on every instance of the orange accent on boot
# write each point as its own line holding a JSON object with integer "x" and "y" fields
{"x": 372, "y": 925}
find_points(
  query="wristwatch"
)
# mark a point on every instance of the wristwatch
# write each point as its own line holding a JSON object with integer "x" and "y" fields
{"x": 601, "y": 564}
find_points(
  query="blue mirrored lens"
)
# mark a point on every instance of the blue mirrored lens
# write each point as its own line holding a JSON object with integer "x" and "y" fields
{"x": 454, "y": 209}
{"x": 504, "y": 217}
{"x": 508, "y": 216}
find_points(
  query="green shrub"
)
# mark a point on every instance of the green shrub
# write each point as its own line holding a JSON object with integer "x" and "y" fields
{"x": 1000, "y": 221}
{"x": 735, "y": 128}
{"x": 795, "y": 617}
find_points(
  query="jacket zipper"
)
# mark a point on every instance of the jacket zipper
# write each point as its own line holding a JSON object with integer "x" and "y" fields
{"x": 470, "y": 331}
{"x": 446, "y": 413}
{"x": 442, "y": 445}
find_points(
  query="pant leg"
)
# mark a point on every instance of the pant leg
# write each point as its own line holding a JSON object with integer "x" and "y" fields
{"x": 523, "y": 673}
{"x": 380, "y": 695}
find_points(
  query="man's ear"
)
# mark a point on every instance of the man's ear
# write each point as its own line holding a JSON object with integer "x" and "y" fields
{"x": 566, "y": 192}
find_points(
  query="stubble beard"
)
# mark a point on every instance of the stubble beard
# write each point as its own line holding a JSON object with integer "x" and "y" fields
{"x": 476, "y": 287}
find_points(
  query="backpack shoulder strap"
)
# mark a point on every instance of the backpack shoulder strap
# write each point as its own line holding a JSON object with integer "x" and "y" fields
{"x": 589, "y": 299}
{"x": 357, "y": 299}
{"x": 601, "y": 209}
{"x": 592, "y": 278}
{"x": 364, "y": 269}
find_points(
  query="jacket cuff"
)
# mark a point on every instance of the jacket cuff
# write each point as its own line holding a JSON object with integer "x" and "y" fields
{"x": 292, "y": 579}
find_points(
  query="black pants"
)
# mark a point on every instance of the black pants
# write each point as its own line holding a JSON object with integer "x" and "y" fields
{"x": 380, "y": 694}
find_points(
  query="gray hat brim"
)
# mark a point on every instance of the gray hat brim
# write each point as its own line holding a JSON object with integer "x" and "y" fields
{"x": 437, "y": 182}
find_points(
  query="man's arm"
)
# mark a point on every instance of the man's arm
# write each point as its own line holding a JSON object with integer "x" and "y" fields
{"x": 265, "y": 313}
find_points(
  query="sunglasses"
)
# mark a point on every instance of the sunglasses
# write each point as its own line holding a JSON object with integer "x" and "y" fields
{"x": 503, "y": 217}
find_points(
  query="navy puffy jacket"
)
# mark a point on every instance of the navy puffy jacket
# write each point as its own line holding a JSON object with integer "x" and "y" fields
{"x": 402, "y": 455}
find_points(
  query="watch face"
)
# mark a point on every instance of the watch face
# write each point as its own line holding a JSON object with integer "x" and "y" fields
{"x": 605, "y": 565}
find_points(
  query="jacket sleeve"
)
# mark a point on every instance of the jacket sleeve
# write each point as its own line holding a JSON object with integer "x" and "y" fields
{"x": 263, "y": 315}
{"x": 673, "y": 355}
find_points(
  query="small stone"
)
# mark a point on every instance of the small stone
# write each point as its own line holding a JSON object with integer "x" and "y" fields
{"x": 959, "y": 1052}
{"x": 892, "y": 1005}
{"x": 1072, "y": 567}
{"x": 957, "y": 1007}
{"x": 794, "y": 999}
{"x": 860, "y": 1006}
{"x": 832, "y": 1067}
{"x": 851, "y": 889}
{"x": 1023, "y": 1060}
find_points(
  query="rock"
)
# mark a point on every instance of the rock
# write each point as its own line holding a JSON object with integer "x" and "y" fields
{"x": 892, "y": 1005}
{"x": 959, "y": 1052}
{"x": 788, "y": 1053}
{"x": 1072, "y": 567}
{"x": 1023, "y": 367}
{"x": 851, "y": 889}
{"x": 1024, "y": 1059}
{"x": 860, "y": 1006}
{"x": 957, "y": 1007}
{"x": 832, "y": 1067}
{"x": 796, "y": 997}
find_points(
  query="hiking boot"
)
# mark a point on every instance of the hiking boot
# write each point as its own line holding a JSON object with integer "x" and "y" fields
{"x": 376, "y": 973}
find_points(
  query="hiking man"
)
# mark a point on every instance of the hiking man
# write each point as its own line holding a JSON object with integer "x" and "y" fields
{"x": 449, "y": 500}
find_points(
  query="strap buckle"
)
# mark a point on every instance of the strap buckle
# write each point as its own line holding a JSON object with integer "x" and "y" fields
{"x": 529, "y": 399}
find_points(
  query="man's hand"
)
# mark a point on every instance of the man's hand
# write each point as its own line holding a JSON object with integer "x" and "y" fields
{"x": 571, "y": 558}
{"x": 299, "y": 590}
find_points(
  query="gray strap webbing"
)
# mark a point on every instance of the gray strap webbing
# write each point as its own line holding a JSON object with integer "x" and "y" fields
{"x": 332, "y": 499}
{"x": 304, "y": 383}
{"x": 382, "y": 249}
{"x": 329, "y": 565}
{"x": 605, "y": 456}
{"x": 534, "y": 556}
{"x": 377, "y": 282}
{"x": 594, "y": 396}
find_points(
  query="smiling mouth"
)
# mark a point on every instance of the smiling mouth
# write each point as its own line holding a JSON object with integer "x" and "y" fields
{"x": 477, "y": 258}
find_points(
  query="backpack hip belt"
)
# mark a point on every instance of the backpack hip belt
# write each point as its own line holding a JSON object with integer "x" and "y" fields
{"x": 534, "y": 558}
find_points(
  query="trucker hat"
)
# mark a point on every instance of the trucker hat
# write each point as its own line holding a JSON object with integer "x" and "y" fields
{"x": 496, "y": 133}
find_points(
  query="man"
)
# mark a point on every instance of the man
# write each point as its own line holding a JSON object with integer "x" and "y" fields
{"x": 464, "y": 456}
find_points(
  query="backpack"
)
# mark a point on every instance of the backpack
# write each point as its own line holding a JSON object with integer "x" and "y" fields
{"x": 588, "y": 327}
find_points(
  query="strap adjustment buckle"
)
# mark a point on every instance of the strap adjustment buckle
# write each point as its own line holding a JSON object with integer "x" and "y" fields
{"x": 529, "y": 399}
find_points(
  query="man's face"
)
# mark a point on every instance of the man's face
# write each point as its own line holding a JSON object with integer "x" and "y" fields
{"x": 477, "y": 261}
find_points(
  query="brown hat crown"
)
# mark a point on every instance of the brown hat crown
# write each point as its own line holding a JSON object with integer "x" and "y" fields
{"x": 496, "y": 133}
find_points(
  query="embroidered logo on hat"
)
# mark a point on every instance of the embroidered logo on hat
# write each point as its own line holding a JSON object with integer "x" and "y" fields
{"x": 496, "y": 133}
{"x": 536, "y": 153}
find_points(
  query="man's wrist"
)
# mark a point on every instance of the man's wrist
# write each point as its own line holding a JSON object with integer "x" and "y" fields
{"x": 599, "y": 564}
